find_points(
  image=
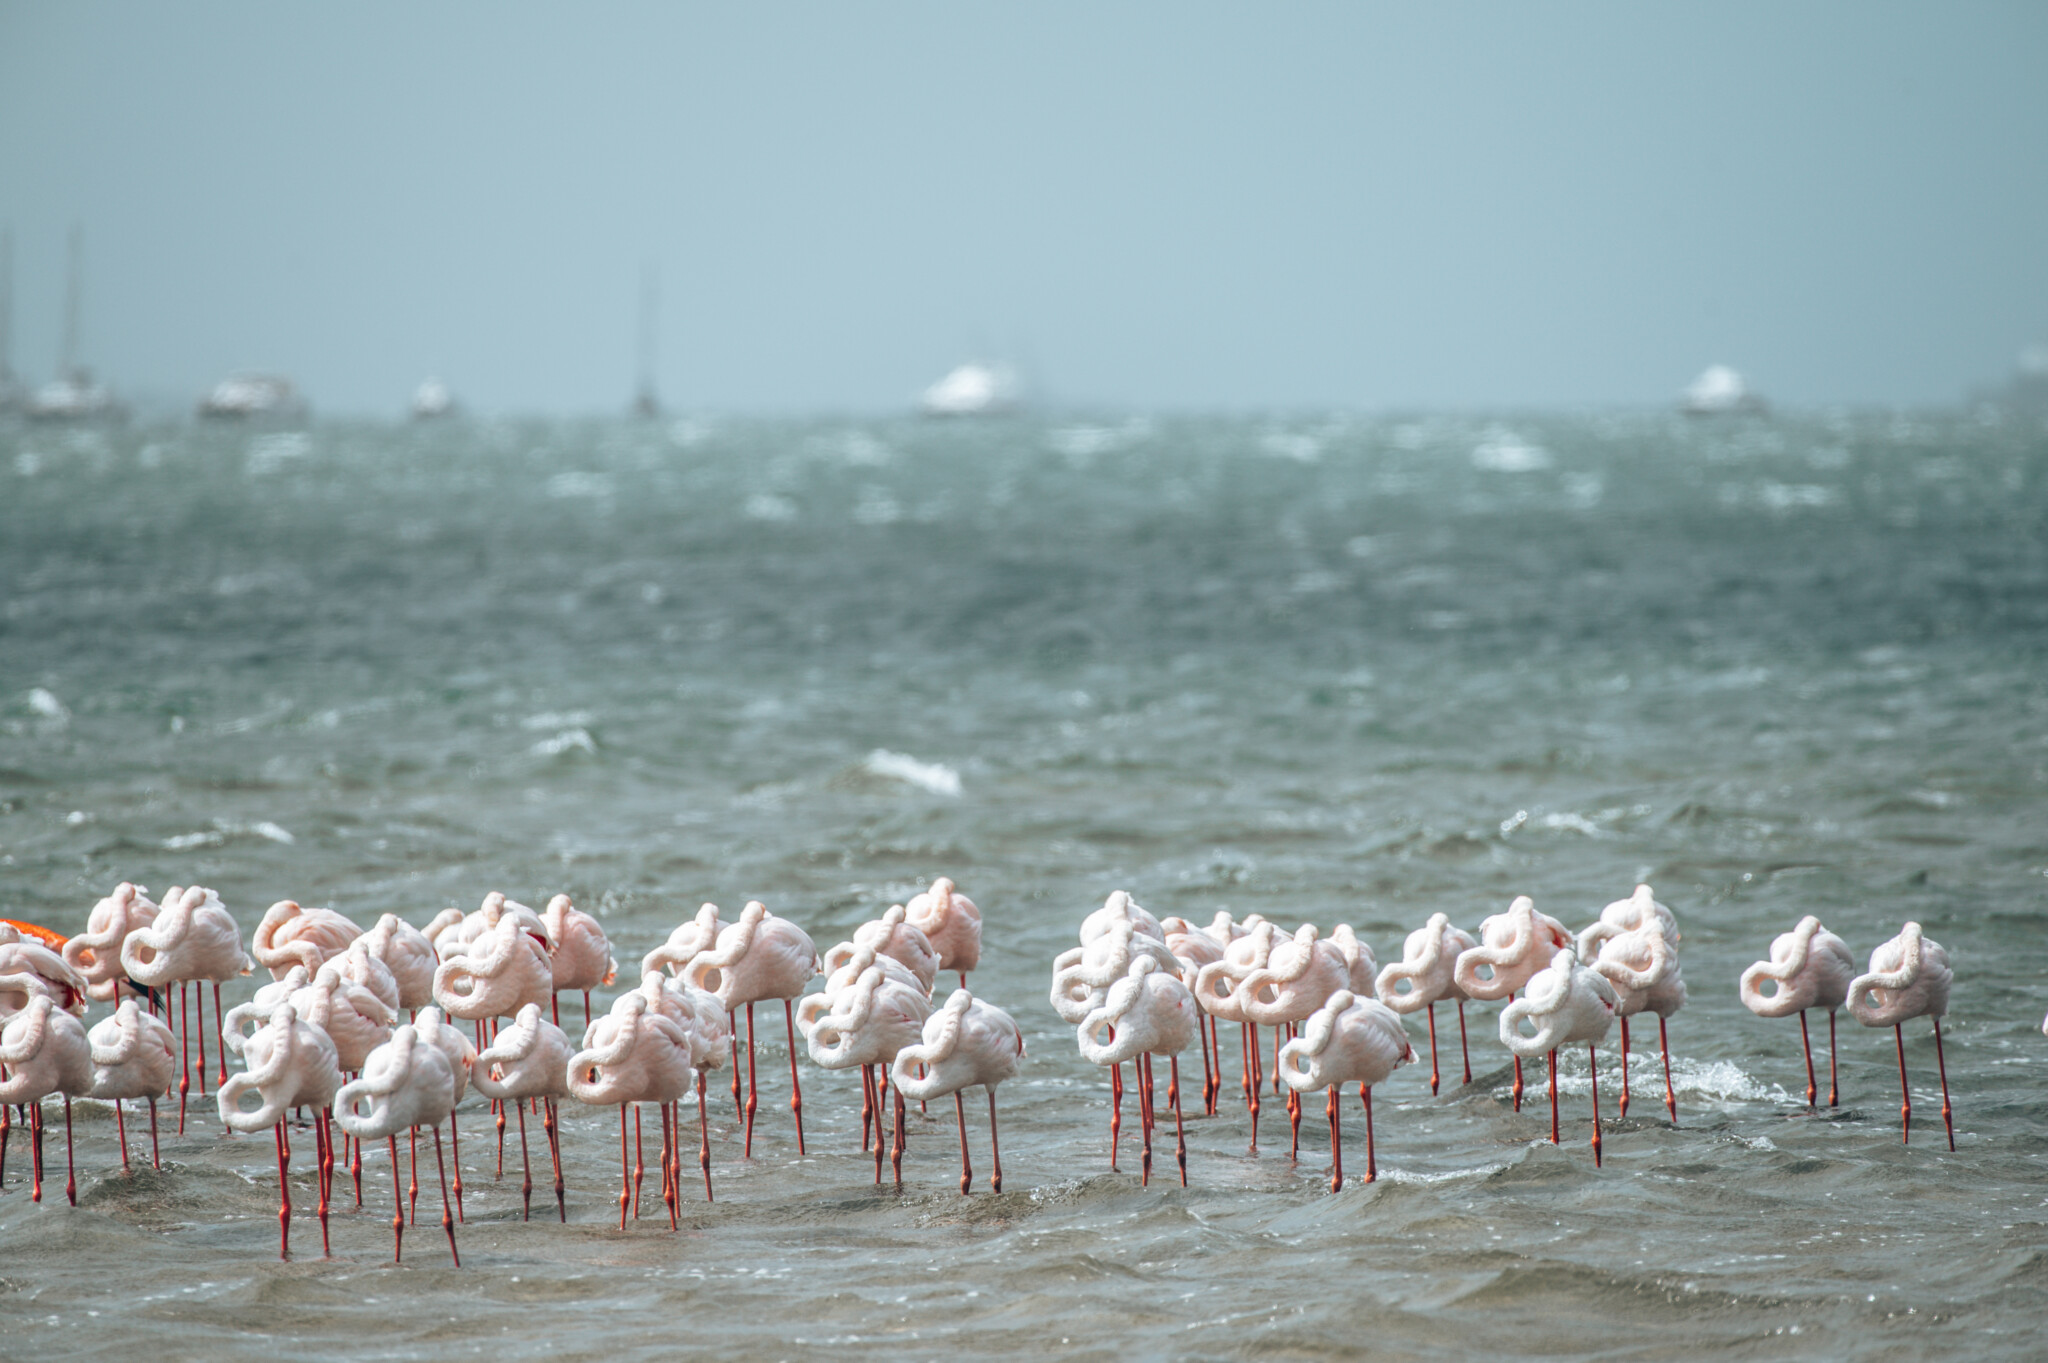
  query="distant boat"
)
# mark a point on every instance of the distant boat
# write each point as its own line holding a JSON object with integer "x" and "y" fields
{"x": 247, "y": 397}
{"x": 74, "y": 395}
{"x": 1718, "y": 391}
{"x": 432, "y": 399}
{"x": 972, "y": 389}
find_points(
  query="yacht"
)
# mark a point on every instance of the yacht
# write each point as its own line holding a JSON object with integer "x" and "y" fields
{"x": 972, "y": 389}
{"x": 245, "y": 397}
{"x": 431, "y": 400}
{"x": 74, "y": 395}
{"x": 1719, "y": 391}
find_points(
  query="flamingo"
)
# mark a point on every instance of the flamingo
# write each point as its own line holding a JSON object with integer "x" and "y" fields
{"x": 760, "y": 957}
{"x": 407, "y": 954}
{"x": 1643, "y": 968}
{"x": 864, "y": 1023}
{"x": 504, "y": 969}
{"x": 452, "y": 931}
{"x": 891, "y": 935}
{"x": 1512, "y": 947}
{"x": 1428, "y": 965}
{"x": 1810, "y": 967}
{"x": 193, "y": 939}
{"x": 704, "y": 1021}
{"x": 360, "y": 965}
{"x": 29, "y": 969}
{"x": 354, "y": 1018}
{"x": 290, "y": 935}
{"x": 952, "y": 924}
{"x": 291, "y": 1063}
{"x": 96, "y": 953}
{"x": 244, "y": 1018}
{"x": 633, "y": 1054}
{"x": 1909, "y": 977}
{"x": 1194, "y": 948}
{"x": 966, "y": 1042}
{"x": 1352, "y": 1038}
{"x": 579, "y": 951}
{"x": 690, "y": 937}
{"x": 132, "y": 1057}
{"x": 1217, "y": 991}
{"x": 432, "y": 1026}
{"x": 838, "y": 979}
{"x": 1081, "y": 977}
{"x": 1119, "y": 908}
{"x": 1565, "y": 1002}
{"x": 408, "y": 1082}
{"x": 528, "y": 1060}
{"x": 1298, "y": 977}
{"x": 44, "y": 1050}
{"x": 1150, "y": 1011}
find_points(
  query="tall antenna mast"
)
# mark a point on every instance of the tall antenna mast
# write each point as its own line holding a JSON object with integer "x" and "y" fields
{"x": 6, "y": 306}
{"x": 645, "y": 404}
{"x": 74, "y": 284}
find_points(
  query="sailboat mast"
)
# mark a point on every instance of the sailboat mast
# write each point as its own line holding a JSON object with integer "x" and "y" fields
{"x": 74, "y": 285}
{"x": 6, "y": 304}
{"x": 644, "y": 402}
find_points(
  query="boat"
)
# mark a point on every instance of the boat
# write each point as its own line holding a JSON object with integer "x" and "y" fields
{"x": 74, "y": 395}
{"x": 431, "y": 400}
{"x": 247, "y": 397}
{"x": 646, "y": 406}
{"x": 1719, "y": 391}
{"x": 972, "y": 389}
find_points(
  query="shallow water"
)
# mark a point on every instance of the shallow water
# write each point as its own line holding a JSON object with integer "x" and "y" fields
{"x": 1327, "y": 670}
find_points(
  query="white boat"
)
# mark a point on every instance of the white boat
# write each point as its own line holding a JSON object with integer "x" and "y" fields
{"x": 244, "y": 397}
{"x": 432, "y": 399}
{"x": 1718, "y": 391}
{"x": 972, "y": 389}
{"x": 75, "y": 397}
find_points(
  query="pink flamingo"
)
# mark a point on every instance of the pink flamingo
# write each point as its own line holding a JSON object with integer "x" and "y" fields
{"x": 1119, "y": 908}
{"x": 1643, "y": 968}
{"x": 1513, "y": 946}
{"x": 44, "y": 1050}
{"x": 1810, "y": 967}
{"x": 1081, "y": 977}
{"x": 291, "y": 1064}
{"x": 290, "y": 935}
{"x": 760, "y": 957}
{"x": 874, "y": 1078}
{"x": 1428, "y": 966}
{"x": 408, "y": 1082}
{"x": 1194, "y": 948}
{"x": 96, "y": 953}
{"x": 690, "y": 938}
{"x": 361, "y": 966}
{"x": 404, "y": 951}
{"x": 28, "y": 969}
{"x": 1564, "y": 1002}
{"x": 528, "y": 1061}
{"x": 862, "y": 1024}
{"x": 581, "y": 953}
{"x": 133, "y": 1056}
{"x": 633, "y": 1054}
{"x": 1352, "y": 1039}
{"x": 452, "y": 931}
{"x": 1909, "y": 977}
{"x": 1217, "y": 990}
{"x": 502, "y": 971}
{"x": 1150, "y": 1011}
{"x": 432, "y": 1026}
{"x": 894, "y": 936}
{"x": 952, "y": 924}
{"x": 1299, "y": 976}
{"x": 193, "y": 939}
{"x": 966, "y": 1042}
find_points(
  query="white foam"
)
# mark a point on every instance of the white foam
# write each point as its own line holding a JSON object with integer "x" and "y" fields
{"x": 576, "y": 740}
{"x": 1502, "y": 451}
{"x": 47, "y": 706}
{"x": 931, "y": 776}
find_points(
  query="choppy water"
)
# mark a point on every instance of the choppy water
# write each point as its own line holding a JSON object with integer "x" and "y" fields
{"x": 1329, "y": 670}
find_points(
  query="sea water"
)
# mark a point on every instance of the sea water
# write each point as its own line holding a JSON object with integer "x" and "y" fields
{"x": 1323, "y": 668}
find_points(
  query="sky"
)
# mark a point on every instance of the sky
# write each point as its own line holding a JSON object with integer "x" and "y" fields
{"x": 1145, "y": 205}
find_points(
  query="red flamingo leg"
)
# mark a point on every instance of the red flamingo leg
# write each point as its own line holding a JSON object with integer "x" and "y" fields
{"x": 796, "y": 1087}
{"x": 1251, "y": 1050}
{"x": 413, "y": 1167}
{"x": 447, "y": 1221}
{"x": 1463, "y": 1047}
{"x": 1372, "y": 1168}
{"x": 995, "y": 1148}
{"x": 184, "y": 1056}
{"x": 35, "y": 1132}
{"x": 966, "y": 1167}
{"x": 1806, "y": 1044}
{"x": 1622, "y": 1101}
{"x": 556, "y": 998}
{"x": 1208, "y": 1073}
{"x": 1141, "y": 1071}
{"x": 1518, "y": 1067}
{"x": 498, "y": 1113}
{"x": 1432, "y": 1056}
{"x": 753, "y": 1088}
{"x": 902, "y": 1138}
{"x": 551, "y": 1123}
{"x": 1330, "y": 1109}
{"x": 625, "y": 1170}
{"x": 323, "y": 1146}
{"x": 525, "y": 1168}
{"x": 1116, "y": 1111}
{"x": 284, "y": 1191}
{"x": 1947, "y": 1118}
{"x": 1278, "y": 1037}
{"x": 156, "y": 1154}
{"x": 397, "y": 1205}
{"x": 867, "y": 1075}
{"x": 668, "y": 1172}
{"x": 6, "y": 1130}
{"x": 1834, "y": 1090}
{"x": 199, "y": 1012}
{"x": 70, "y": 1160}
{"x": 1180, "y": 1131}
{"x": 121, "y": 1124}
{"x": 355, "y": 1165}
{"x": 1215, "y": 1088}
{"x": 639, "y": 1161}
{"x": 1670, "y": 1094}
{"x": 867, "y": 1107}
{"x": 704, "y": 1137}
{"x": 739, "y": 1104}
{"x": 1553, "y": 1098}
{"x": 220, "y": 1040}
{"x": 1905, "y": 1094}
{"x": 455, "y": 1152}
{"x": 1593, "y": 1059}
{"x": 1244, "y": 1046}
{"x": 586, "y": 1010}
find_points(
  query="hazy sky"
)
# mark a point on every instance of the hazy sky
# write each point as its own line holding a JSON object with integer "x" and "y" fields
{"x": 1177, "y": 205}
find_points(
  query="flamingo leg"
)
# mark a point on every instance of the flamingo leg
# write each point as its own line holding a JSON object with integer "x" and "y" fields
{"x": 896, "y": 1157}
{"x": 1293, "y": 1103}
{"x": 121, "y": 1124}
{"x": 184, "y": 1056}
{"x": 867, "y": 1076}
{"x": 625, "y": 1170}
{"x": 1905, "y": 1094}
{"x": 1245, "y": 1072}
{"x": 498, "y": 1113}
{"x": 1553, "y": 1097}
{"x": 1180, "y": 1130}
{"x": 1215, "y": 1089}
{"x": 355, "y": 1166}
{"x": 753, "y": 1089}
{"x": 323, "y": 1145}
{"x": 220, "y": 1040}
{"x": 1336, "y": 1138}
{"x": 1432, "y": 1056}
{"x": 70, "y": 1160}
{"x": 1947, "y": 1118}
{"x": 6, "y": 1130}
{"x": 412, "y": 1193}
{"x": 35, "y": 1132}
{"x": 284, "y": 1192}
{"x": 966, "y": 1167}
{"x": 995, "y": 1148}
{"x": 704, "y": 1136}
{"x": 1834, "y": 1090}
{"x": 199, "y": 1012}
{"x": 739, "y": 1104}
{"x": 156, "y": 1154}
{"x": 447, "y": 1221}
{"x": 796, "y": 1087}
{"x": 1806, "y": 1044}
{"x": 639, "y": 1161}
{"x": 455, "y": 1153}
{"x": 551, "y": 1123}
{"x": 1593, "y": 1059}
{"x": 1251, "y": 1050}
{"x": 556, "y": 998}
{"x": 1462, "y": 1046}
{"x": 1518, "y": 1067}
{"x": 668, "y": 1167}
{"x": 1670, "y": 1094}
{"x": 1622, "y": 1101}
{"x": 867, "y": 1107}
{"x": 1208, "y": 1073}
{"x": 1141, "y": 1070}
{"x": 525, "y": 1167}
{"x": 397, "y": 1205}
{"x": 1372, "y": 1168}
{"x": 1277, "y": 1039}
{"x": 1116, "y": 1111}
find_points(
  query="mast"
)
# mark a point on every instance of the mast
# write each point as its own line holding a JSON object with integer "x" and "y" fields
{"x": 74, "y": 285}
{"x": 645, "y": 403}
{"x": 6, "y": 309}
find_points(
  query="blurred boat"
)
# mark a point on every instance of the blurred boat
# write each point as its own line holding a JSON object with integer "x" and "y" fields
{"x": 248, "y": 397}
{"x": 431, "y": 400}
{"x": 74, "y": 395}
{"x": 1719, "y": 391}
{"x": 972, "y": 389}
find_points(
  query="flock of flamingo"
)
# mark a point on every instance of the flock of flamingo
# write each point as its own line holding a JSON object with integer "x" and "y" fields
{"x": 324, "y": 1037}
